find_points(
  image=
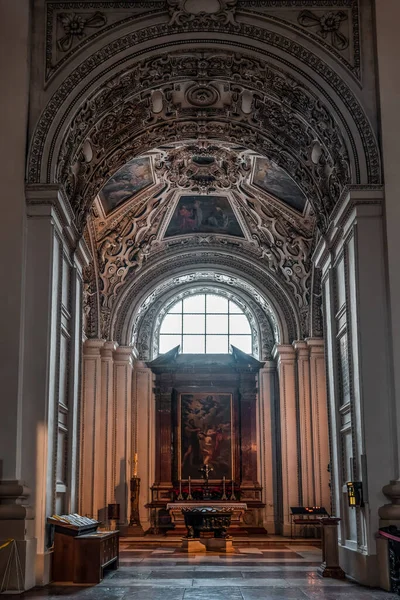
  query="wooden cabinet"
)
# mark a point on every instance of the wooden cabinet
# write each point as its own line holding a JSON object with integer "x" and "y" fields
{"x": 93, "y": 553}
{"x": 81, "y": 556}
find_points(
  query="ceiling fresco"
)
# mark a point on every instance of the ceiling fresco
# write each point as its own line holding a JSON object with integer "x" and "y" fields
{"x": 203, "y": 214}
{"x": 274, "y": 180}
{"x": 131, "y": 179}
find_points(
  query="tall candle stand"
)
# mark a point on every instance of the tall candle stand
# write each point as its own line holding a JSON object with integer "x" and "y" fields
{"x": 180, "y": 497}
{"x": 233, "y": 497}
{"x": 224, "y": 496}
{"x": 190, "y": 497}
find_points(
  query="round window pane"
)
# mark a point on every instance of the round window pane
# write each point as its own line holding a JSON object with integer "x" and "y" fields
{"x": 167, "y": 342}
{"x": 177, "y": 308}
{"x": 217, "y": 324}
{"x": 234, "y": 308}
{"x": 243, "y": 342}
{"x": 171, "y": 324}
{"x": 194, "y": 344}
{"x": 193, "y": 323}
{"x": 238, "y": 324}
{"x": 194, "y": 304}
{"x": 217, "y": 344}
{"x": 216, "y": 304}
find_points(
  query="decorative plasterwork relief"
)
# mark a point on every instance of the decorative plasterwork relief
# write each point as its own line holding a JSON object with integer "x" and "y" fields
{"x": 72, "y": 25}
{"x": 253, "y": 32}
{"x": 271, "y": 113}
{"x": 234, "y": 269}
{"x": 202, "y": 168}
{"x": 206, "y": 11}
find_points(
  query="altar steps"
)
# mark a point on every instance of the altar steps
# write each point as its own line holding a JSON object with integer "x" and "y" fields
{"x": 259, "y": 541}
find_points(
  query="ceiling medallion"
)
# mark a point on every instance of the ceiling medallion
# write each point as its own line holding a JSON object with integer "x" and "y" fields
{"x": 202, "y": 95}
{"x": 203, "y": 169}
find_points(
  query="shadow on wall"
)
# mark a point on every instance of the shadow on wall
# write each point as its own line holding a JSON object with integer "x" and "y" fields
{"x": 121, "y": 492}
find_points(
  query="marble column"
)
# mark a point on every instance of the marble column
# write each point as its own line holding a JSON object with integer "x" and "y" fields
{"x": 305, "y": 423}
{"x": 123, "y": 361}
{"x": 268, "y": 442}
{"x": 143, "y": 408}
{"x": 285, "y": 355}
{"x": 363, "y": 427}
{"x": 319, "y": 423}
{"x": 91, "y": 429}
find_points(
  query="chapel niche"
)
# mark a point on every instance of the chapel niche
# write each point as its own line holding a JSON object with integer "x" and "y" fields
{"x": 206, "y": 414}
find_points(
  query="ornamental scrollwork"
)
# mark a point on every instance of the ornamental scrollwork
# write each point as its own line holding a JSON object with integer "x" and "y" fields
{"x": 328, "y": 25}
{"x": 183, "y": 12}
{"x": 74, "y": 26}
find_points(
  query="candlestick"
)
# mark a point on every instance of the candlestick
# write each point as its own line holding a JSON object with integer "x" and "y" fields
{"x": 224, "y": 496}
{"x": 180, "y": 497}
{"x": 190, "y": 497}
{"x": 135, "y": 465}
{"x": 233, "y": 497}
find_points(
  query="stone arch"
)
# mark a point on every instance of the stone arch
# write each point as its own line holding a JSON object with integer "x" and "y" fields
{"x": 263, "y": 291}
{"x": 359, "y": 162}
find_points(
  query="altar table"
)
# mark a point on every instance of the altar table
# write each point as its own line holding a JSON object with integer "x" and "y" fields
{"x": 176, "y": 510}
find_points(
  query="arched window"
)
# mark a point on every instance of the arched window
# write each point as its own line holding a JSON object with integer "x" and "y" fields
{"x": 205, "y": 324}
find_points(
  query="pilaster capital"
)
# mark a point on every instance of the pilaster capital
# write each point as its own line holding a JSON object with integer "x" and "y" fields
{"x": 269, "y": 367}
{"x": 124, "y": 355}
{"x": 284, "y": 353}
{"x": 355, "y": 203}
{"x": 92, "y": 347}
{"x": 316, "y": 345}
{"x": 108, "y": 349}
{"x": 302, "y": 349}
{"x": 51, "y": 201}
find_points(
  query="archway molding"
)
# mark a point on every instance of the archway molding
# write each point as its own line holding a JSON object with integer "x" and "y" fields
{"x": 137, "y": 306}
{"x": 58, "y": 150}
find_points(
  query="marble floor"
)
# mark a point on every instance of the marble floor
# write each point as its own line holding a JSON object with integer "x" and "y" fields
{"x": 256, "y": 572}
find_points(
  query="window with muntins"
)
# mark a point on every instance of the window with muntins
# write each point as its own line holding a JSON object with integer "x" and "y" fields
{"x": 205, "y": 324}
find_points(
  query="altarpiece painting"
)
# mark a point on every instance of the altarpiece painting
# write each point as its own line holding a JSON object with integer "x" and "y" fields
{"x": 206, "y": 435}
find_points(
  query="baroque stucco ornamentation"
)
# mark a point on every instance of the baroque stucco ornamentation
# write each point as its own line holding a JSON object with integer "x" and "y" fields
{"x": 290, "y": 47}
{"x": 328, "y": 25}
{"x": 234, "y": 269}
{"x": 75, "y": 26}
{"x": 285, "y": 123}
{"x": 202, "y": 168}
{"x": 185, "y": 11}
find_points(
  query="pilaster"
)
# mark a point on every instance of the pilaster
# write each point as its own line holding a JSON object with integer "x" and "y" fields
{"x": 352, "y": 258}
{"x": 285, "y": 354}
{"x": 268, "y": 443}
{"x": 123, "y": 360}
{"x": 305, "y": 423}
{"x": 319, "y": 423}
{"x": 106, "y": 459}
{"x": 91, "y": 428}
{"x": 143, "y": 438}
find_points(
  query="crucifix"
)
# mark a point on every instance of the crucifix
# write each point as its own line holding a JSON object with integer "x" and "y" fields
{"x": 205, "y": 471}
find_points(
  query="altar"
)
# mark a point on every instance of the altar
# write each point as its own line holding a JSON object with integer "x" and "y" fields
{"x": 206, "y": 440}
{"x": 177, "y": 509}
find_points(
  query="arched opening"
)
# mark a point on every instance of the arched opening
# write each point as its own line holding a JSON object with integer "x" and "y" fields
{"x": 231, "y": 156}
